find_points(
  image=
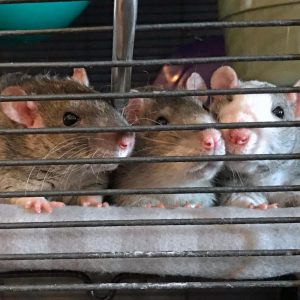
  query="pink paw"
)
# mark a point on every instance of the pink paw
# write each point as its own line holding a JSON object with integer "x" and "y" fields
{"x": 264, "y": 206}
{"x": 38, "y": 204}
{"x": 92, "y": 201}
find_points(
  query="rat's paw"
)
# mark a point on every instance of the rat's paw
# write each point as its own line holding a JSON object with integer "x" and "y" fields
{"x": 248, "y": 201}
{"x": 264, "y": 206}
{"x": 38, "y": 204}
{"x": 92, "y": 201}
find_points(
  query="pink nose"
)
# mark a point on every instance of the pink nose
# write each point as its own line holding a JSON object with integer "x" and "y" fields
{"x": 239, "y": 136}
{"x": 126, "y": 141}
{"x": 210, "y": 139}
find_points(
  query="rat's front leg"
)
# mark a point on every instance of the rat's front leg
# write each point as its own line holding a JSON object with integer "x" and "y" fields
{"x": 37, "y": 204}
{"x": 247, "y": 200}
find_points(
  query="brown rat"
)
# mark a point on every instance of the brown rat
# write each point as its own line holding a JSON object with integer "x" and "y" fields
{"x": 69, "y": 113}
{"x": 163, "y": 111}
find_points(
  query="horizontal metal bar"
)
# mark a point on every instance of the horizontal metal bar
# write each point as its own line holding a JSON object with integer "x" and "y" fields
{"x": 152, "y": 191}
{"x": 149, "y": 128}
{"x": 30, "y": 1}
{"x": 153, "y": 27}
{"x": 151, "y": 254}
{"x": 151, "y": 222}
{"x": 151, "y": 62}
{"x": 149, "y": 286}
{"x": 154, "y": 94}
{"x": 153, "y": 159}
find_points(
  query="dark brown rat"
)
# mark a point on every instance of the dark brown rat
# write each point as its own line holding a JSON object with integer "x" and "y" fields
{"x": 70, "y": 113}
{"x": 164, "y": 111}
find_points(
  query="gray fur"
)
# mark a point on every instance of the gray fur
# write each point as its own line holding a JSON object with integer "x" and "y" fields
{"x": 186, "y": 110}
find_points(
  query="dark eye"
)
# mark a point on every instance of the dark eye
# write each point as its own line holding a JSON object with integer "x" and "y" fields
{"x": 70, "y": 119}
{"x": 278, "y": 112}
{"x": 162, "y": 121}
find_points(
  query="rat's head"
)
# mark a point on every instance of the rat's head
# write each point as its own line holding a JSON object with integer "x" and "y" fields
{"x": 67, "y": 114}
{"x": 172, "y": 111}
{"x": 254, "y": 108}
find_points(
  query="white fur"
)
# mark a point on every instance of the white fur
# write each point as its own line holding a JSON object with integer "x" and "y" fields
{"x": 249, "y": 108}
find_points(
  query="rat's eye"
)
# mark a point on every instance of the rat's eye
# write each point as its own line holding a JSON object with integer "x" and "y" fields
{"x": 161, "y": 121}
{"x": 70, "y": 119}
{"x": 278, "y": 112}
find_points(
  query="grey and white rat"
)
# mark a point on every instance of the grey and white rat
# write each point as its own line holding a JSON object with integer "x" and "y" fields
{"x": 163, "y": 111}
{"x": 69, "y": 113}
{"x": 284, "y": 140}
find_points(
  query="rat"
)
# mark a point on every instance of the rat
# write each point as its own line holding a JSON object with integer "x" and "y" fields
{"x": 170, "y": 111}
{"x": 47, "y": 114}
{"x": 280, "y": 140}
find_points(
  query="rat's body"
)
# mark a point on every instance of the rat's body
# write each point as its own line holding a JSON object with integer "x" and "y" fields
{"x": 38, "y": 114}
{"x": 276, "y": 140}
{"x": 185, "y": 110}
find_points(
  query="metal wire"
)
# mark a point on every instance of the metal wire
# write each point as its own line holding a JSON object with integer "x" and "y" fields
{"x": 149, "y": 128}
{"x": 149, "y": 286}
{"x": 154, "y": 191}
{"x": 155, "y": 94}
{"x": 152, "y": 27}
{"x": 151, "y": 62}
{"x": 151, "y": 222}
{"x": 153, "y": 159}
{"x": 31, "y": 1}
{"x": 151, "y": 254}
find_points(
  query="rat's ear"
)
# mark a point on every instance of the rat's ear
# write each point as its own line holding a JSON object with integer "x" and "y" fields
{"x": 196, "y": 82}
{"x": 295, "y": 98}
{"x": 22, "y": 112}
{"x": 224, "y": 78}
{"x": 80, "y": 76}
{"x": 133, "y": 110}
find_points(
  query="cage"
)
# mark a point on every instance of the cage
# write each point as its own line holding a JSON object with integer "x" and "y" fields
{"x": 132, "y": 253}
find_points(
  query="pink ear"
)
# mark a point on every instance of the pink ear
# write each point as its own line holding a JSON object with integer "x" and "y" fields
{"x": 224, "y": 78}
{"x": 80, "y": 75}
{"x": 22, "y": 112}
{"x": 295, "y": 98}
{"x": 133, "y": 110}
{"x": 196, "y": 82}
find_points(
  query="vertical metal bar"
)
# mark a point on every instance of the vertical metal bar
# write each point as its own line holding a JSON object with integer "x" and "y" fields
{"x": 125, "y": 13}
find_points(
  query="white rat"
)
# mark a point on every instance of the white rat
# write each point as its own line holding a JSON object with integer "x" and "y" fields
{"x": 69, "y": 113}
{"x": 257, "y": 108}
{"x": 163, "y": 111}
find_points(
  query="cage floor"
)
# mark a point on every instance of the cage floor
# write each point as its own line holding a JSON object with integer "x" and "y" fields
{"x": 123, "y": 246}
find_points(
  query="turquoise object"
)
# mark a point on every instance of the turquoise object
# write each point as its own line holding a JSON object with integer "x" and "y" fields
{"x": 44, "y": 15}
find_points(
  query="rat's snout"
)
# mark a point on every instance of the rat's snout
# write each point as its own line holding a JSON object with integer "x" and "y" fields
{"x": 210, "y": 139}
{"x": 126, "y": 141}
{"x": 238, "y": 136}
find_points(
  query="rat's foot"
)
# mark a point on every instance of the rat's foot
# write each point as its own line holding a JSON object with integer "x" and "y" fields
{"x": 264, "y": 206}
{"x": 92, "y": 201}
{"x": 37, "y": 204}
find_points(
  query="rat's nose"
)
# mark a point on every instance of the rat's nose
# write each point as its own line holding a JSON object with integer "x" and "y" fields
{"x": 210, "y": 139}
{"x": 239, "y": 136}
{"x": 126, "y": 141}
